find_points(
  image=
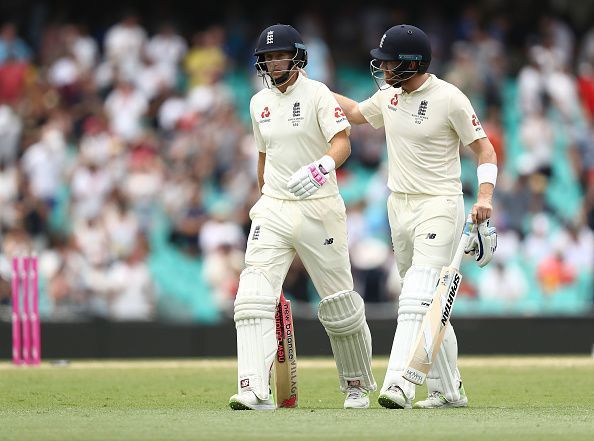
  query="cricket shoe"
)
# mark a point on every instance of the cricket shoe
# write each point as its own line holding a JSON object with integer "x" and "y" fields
{"x": 356, "y": 398}
{"x": 393, "y": 398}
{"x": 437, "y": 400}
{"x": 249, "y": 401}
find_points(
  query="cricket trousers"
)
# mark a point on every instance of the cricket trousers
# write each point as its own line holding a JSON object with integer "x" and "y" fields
{"x": 425, "y": 233}
{"x": 315, "y": 229}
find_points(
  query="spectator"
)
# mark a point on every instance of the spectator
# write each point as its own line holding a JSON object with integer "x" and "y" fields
{"x": 125, "y": 107}
{"x": 12, "y": 47}
{"x": 132, "y": 293}
{"x": 554, "y": 273}
{"x": 206, "y": 61}
{"x": 11, "y": 126}
{"x": 503, "y": 282}
{"x": 167, "y": 47}
{"x": 124, "y": 45}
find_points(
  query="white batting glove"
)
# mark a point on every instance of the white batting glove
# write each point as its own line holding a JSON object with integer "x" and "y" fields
{"x": 482, "y": 243}
{"x": 310, "y": 178}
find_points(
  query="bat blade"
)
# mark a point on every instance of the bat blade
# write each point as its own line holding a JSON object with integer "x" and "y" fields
{"x": 433, "y": 326}
{"x": 285, "y": 362}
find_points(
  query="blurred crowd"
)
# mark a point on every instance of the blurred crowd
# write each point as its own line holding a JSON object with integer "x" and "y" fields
{"x": 119, "y": 146}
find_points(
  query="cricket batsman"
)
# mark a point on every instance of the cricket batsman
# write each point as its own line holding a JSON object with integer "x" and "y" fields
{"x": 302, "y": 136}
{"x": 425, "y": 120}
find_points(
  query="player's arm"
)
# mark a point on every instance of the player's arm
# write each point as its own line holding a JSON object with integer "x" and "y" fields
{"x": 340, "y": 148}
{"x": 483, "y": 241}
{"x": 351, "y": 109}
{"x": 261, "y": 164}
{"x": 487, "y": 175}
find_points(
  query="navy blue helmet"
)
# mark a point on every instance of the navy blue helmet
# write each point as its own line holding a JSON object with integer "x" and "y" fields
{"x": 277, "y": 38}
{"x": 407, "y": 45}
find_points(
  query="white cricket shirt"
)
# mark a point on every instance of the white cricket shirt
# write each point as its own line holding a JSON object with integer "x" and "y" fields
{"x": 294, "y": 129}
{"x": 423, "y": 132}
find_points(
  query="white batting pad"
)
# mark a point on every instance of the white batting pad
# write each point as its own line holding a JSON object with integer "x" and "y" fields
{"x": 343, "y": 316}
{"x": 444, "y": 376}
{"x": 418, "y": 287}
{"x": 255, "y": 308}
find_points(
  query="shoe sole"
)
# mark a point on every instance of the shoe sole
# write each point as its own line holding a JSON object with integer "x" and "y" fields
{"x": 448, "y": 405}
{"x": 238, "y": 405}
{"x": 356, "y": 407}
{"x": 388, "y": 403}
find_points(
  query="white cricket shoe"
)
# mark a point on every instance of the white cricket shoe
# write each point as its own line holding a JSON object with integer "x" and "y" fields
{"x": 437, "y": 400}
{"x": 249, "y": 401}
{"x": 356, "y": 398}
{"x": 393, "y": 398}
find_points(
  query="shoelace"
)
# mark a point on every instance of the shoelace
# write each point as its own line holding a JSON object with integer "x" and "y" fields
{"x": 436, "y": 394}
{"x": 354, "y": 393}
{"x": 394, "y": 388}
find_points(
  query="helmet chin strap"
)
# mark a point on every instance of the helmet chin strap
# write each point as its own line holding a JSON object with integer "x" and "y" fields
{"x": 283, "y": 79}
{"x": 280, "y": 80}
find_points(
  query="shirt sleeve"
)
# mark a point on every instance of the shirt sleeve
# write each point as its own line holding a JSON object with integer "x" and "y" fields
{"x": 260, "y": 144}
{"x": 463, "y": 119}
{"x": 371, "y": 109}
{"x": 331, "y": 118}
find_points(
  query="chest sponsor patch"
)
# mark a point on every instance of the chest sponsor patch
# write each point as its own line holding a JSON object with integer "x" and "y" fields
{"x": 393, "y": 102}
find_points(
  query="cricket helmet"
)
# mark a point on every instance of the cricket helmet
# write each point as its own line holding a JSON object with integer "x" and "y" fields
{"x": 405, "y": 44}
{"x": 277, "y": 38}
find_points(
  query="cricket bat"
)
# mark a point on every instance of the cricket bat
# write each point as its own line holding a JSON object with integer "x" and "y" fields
{"x": 285, "y": 363}
{"x": 436, "y": 318}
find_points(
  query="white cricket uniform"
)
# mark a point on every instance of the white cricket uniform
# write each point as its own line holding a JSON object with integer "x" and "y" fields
{"x": 423, "y": 132}
{"x": 294, "y": 129}
{"x": 424, "y": 129}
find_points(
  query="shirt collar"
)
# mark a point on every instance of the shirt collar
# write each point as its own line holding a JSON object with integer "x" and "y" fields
{"x": 423, "y": 86}
{"x": 290, "y": 88}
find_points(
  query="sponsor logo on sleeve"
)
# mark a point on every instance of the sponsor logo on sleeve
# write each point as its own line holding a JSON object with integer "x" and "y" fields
{"x": 339, "y": 115}
{"x": 265, "y": 115}
{"x": 476, "y": 123}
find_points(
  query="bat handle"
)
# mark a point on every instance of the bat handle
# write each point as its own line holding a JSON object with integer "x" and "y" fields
{"x": 468, "y": 227}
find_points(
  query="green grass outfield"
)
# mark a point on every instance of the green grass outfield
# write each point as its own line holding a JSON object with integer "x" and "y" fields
{"x": 510, "y": 398}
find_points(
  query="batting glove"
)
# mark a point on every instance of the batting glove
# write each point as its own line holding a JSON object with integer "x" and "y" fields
{"x": 482, "y": 243}
{"x": 309, "y": 179}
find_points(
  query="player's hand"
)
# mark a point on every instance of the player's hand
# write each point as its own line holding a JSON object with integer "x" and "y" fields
{"x": 482, "y": 243}
{"x": 481, "y": 210}
{"x": 307, "y": 180}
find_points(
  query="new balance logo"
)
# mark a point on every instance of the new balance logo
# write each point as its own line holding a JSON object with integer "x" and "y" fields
{"x": 256, "y": 234}
{"x": 270, "y": 37}
{"x": 329, "y": 241}
{"x": 431, "y": 236}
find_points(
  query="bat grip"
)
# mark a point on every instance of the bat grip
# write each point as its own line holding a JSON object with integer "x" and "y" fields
{"x": 468, "y": 227}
